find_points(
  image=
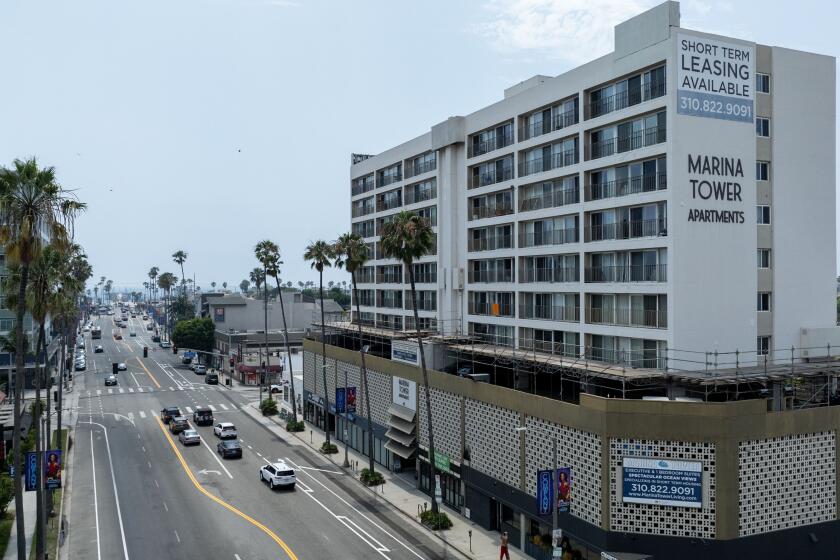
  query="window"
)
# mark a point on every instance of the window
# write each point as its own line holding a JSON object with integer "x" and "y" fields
{"x": 763, "y": 301}
{"x": 762, "y": 215}
{"x": 6, "y": 325}
{"x": 764, "y": 258}
{"x": 762, "y": 345}
{"x": 762, "y": 171}
{"x": 762, "y": 127}
{"x": 762, "y": 83}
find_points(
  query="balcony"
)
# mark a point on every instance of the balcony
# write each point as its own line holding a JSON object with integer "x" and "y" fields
{"x": 558, "y": 122}
{"x": 626, "y": 317}
{"x": 626, "y": 230}
{"x": 389, "y": 278}
{"x": 491, "y": 309}
{"x": 384, "y": 204}
{"x": 359, "y": 211}
{"x": 618, "y": 145}
{"x": 549, "y": 312}
{"x": 626, "y": 186}
{"x": 553, "y": 237}
{"x": 491, "y": 243}
{"x": 427, "y": 194}
{"x": 364, "y": 277}
{"x": 556, "y": 161}
{"x": 389, "y": 322}
{"x": 624, "y": 99}
{"x": 420, "y": 168}
{"x": 489, "y": 276}
{"x": 554, "y": 274}
{"x": 422, "y": 303}
{"x": 387, "y": 179}
{"x": 498, "y": 142}
{"x": 491, "y": 177}
{"x": 626, "y": 273}
{"x": 553, "y": 200}
{"x": 632, "y": 358}
{"x": 490, "y": 211}
{"x": 362, "y": 187}
{"x": 365, "y": 301}
{"x": 549, "y": 347}
{"x": 393, "y": 303}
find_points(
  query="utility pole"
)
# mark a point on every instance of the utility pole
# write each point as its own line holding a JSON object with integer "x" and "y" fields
{"x": 265, "y": 329}
{"x": 346, "y": 463}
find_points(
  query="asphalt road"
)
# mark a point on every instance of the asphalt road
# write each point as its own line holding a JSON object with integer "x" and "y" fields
{"x": 136, "y": 492}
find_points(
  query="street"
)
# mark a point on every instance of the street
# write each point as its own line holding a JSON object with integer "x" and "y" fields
{"x": 137, "y": 492}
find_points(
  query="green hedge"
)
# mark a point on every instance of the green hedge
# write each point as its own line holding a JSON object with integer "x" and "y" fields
{"x": 329, "y": 448}
{"x": 268, "y": 407}
{"x": 292, "y": 426}
{"x": 436, "y": 521}
{"x": 371, "y": 478}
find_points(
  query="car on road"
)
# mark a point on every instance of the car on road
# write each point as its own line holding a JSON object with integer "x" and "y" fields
{"x": 168, "y": 413}
{"x": 200, "y": 369}
{"x": 150, "y": 327}
{"x": 278, "y": 474}
{"x": 276, "y": 389}
{"x": 121, "y": 366}
{"x": 165, "y": 344}
{"x": 225, "y": 430}
{"x": 178, "y": 424}
{"x": 80, "y": 366}
{"x": 229, "y": 448}
{"x": 117, "y": 335}
{"x": 81, "y": 343}
{"x": 186, "y": 360}
{"x": 99, "y": 349}
{"x": 155, "y": 338}
{"x": 189, "y": 437}
{"x": 132, "y": 333}
{"x": 110, "y": 380}
{"x": 203, "y": 416}
{"x": 211, "y": 378}
{"x": 145, "y": 317}
{"x": 87, "y": 328}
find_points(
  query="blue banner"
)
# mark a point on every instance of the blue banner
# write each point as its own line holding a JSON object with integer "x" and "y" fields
{"x": 662, "y": 482}
{"x": 340, "y": 403}
{"x": 545, "y": 486}
{"x": 31, "y": 471}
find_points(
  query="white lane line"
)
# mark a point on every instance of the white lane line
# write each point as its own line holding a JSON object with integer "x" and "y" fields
{"x": 213, "y": 408}
{"x": 131, "y": 417}
{"x": 95, "y": 505}
{"x": 130, "y": 389}
{"x": 189, "y": 410}
{"x": 98, "y": 392}
{"x": 110, "y": 391}
{"x": 215, "y": 456}
{"x": 177, "y": 537}
{"x": 122, "y": 390}
{"x": 236, "y": 556}
{"x": 142, "y": 414}
{"x": 156, "y": 483}
{"x": 223, "y": 406}
{"x": 347, "y": 522}
{"x": 149, "y": 463}
{"x": 165, "y": 506}
{"x": 172, "y": 388}
{"x": 153, "y": 413}
{"x": 314, "y": 469}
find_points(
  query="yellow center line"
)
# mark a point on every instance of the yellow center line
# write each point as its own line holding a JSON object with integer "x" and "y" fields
{"x": 142, "y": 365}
{"x": 221, "y": 502}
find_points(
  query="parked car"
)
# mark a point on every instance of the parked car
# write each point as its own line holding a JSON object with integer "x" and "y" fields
{"x": 203, "y": 416}
{"x": 189, "y": 437}
{"x": 178, "y": 424}
{"x": 110, "y": 380}
{"x": 99, "y": 349}
{"x": 200, "y": 369}
{"x": 80, "y": 366}
{"x": 168, "y": 413}
{"x": 155, "y": 337}
{"x": 229, "y": 448}
{"x": 132, "y": 333}
{"x": 224, "y": 430}
{"x": 278, "y": 474}
{"x": 165, "y": 344}
{"x": 150, "y": 327}
{"x": 212, "y": 378}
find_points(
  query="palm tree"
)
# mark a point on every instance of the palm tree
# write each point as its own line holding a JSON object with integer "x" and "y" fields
{"x": 406, "y": 238}
{"x": 31, "y": 203}
{"x": 257, "y": 277}
{"x": 244, "y": 285}
{"x": 224, "y": 286}
{"x": 109, "y": 285}
{"x": 320, "y": 255}
{"x": 289, "y": 284}
{"x": 213, "y": 285}
{"x": 351, "y": 254}
{"x": 166, "y": 281}
{"x": 180, "y": 257}
{"x": 153, "y": 274}
{"x": 268, "y": 252}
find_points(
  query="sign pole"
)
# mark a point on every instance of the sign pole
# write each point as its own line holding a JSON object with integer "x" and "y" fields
{"x": 556, "y": 488}
{"x": 346, "y": 463}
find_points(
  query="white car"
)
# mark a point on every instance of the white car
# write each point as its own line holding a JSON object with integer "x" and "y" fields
{"x": 278, "y": 474}
{"x": 224, "y": 430}
{"x": 189, "y": 437}
{"x": 121, "y": 366}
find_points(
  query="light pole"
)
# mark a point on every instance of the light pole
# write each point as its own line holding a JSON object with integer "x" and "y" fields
{"x": 346, "y": 463}
{"x": 555, "y": 475}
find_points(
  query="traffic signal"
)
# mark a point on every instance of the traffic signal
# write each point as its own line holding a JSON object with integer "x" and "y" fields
{"x": 145, "y": 351}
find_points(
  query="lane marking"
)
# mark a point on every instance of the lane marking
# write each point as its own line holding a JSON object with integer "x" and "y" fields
{"x": 223, "y": 406}
{"x": 95, "y": 505}
{"x": 347, "y": 522}
{"x": 98, "y": 392}
{"x": 177, "y": 537}
{"x": 165, "y": 507}
{"x": 215, "y": 456}
{"x": 122, "y": 390}
{"x": 142, "y": 365}
{"x": 189, "y": 410}
{"x": 131, "y": 389}
{"x": 142, "y": 414}
{"x": 110, "y": 391}
{"x": 213, "y": 408}
{"x": 221, "y": 502}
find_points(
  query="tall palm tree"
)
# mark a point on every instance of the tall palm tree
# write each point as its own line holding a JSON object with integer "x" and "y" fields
{"x": 351, "y": 254}
{"x": 109, "y": 285}
{"x": 406, "y": 238}
{"x": 213, "y": 285}
{"x": 96, "y": 292}
{"x": 320, "y": 255}
{"x": 244, "y": 285}
{"x": 166, "y": 282}
{"x": 153, "y": 274}
{"x": 31, "y": 203}
{"x": 224, "y": 286}
{"x": 268, "y": 252}
{"x": 180, "y": 257}
{"x": 257, "y": 277}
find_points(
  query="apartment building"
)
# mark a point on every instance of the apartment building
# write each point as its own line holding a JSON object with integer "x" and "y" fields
{"x": 675, "y": 196}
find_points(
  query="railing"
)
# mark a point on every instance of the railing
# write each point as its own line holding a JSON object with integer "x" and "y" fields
{"x": 625, "y": 99}
{"x": 626, "y": 230}
{"x": 364, "y": 187}
{"x": 491, "y": 243}
{"x": 422, "y": 304}
{"x": 391, "y": 323}
{"x": 628, "y": 185}
{"x": 492, "y": 309}
{"x": 618, "y": 145}
{"x": 489, "y": 276}
{"x": 549, "y": 312}
{"x": 556, "y": 161}
{"x": 491, "y": 177}
{"x": 490, "y": 211}
{"x": 362, "y": 211}
{"x": 497, "y": 142}
{"x": 567, "y": 118}
{"x": 426, "y": 194}
{"x": 393, "y": 303}
{"x": 557, "y": 198}
{"x": 626, "y": 317}
{"x": 626, "y": 273}
{"x": 558, "y": 122}
{"x": 383, "y": 204}
{"x": 365, "y": 278}
{"x": 366, "y": 231}
{"x": 549, "y": 347}
{"x": 420, "y": 168}
{"x": 494, "y": 338}
{"x": 386, "y": 179}
{"x": 365, "y": 301}
{"x": 553, "y": 237}
{"x": 389, "y": 278}
{"x": 632, "y": 358}
{"x": 427, "y": 278}
{"x": 552, "y": 274}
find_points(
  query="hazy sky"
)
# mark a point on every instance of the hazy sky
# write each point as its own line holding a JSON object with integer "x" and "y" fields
{"x": 208, "y": 125}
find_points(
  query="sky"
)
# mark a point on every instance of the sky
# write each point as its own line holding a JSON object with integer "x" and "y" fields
{"x": 209, "y": 125}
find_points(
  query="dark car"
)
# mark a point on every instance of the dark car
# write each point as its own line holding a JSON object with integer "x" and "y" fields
{"x": 155, "y": 338}
{"x": 178, "y": 424}
{"x": 98, "y": 350}
{"x": 212, "y": 378}
{"x": 229, "y": 448}
{"x": 110, "y": 380}
{"x": 169, "y": 413}
{"x": 203, "y": 416}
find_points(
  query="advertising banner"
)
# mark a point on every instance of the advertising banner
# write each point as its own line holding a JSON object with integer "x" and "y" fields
{"x": 405, "y": 393}
{"x": 340, "y": 403}
{"x": 52, "y": 468}
{"x": 351, "y": 400}
{"x": 30, "y": 471}
{"x": 662, "y": 482}
{"x": 404, "y": 351}
{"x": 545, "y": 484}
{"x": 564, "y": 489}
{"x": 219, "y": 314}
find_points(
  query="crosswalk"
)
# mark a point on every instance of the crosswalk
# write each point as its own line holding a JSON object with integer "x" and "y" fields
{"x": 149, "y": 389}
{"x": 134, "y": 416}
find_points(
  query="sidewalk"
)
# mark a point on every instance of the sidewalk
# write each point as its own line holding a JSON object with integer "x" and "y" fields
{"x": 29, "y": 504}
{"x": 399, "y": 491}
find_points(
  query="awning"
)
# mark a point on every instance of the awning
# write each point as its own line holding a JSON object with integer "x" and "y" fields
{"x": 402, "y": 439}
{"x": 401, "y": 412}
{"x": 398, "y": 449}
{"x": 401, "y": 425}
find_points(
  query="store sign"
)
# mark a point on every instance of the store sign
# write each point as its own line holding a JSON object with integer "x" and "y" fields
{"x": 404, "y": 393}
{"x": 30, "y": 471}
{"x": 662, "y": 482}
{"x": 716, "y": 179}
{"x": 545, "y": 483}
{"x": 715, "y": 79}
{"x": 442, "y": 461}
{"x": 406, "y": 352}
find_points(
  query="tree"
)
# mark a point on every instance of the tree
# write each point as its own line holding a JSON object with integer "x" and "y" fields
{"x": 31, "y": 203}
{"x": 153, "y": 274}
{"x": 407, "y": 238}
{"x": 180, "y": 257}
{"x": 166, "y": 281}
{"x": 213, "y": 285}
{"x": 195, "y": 334}
{"x": 244, "y": 285}
{"x": 181, "y": 308}
{"x": 351, "y": 254}
{"x": 320, "y": 255}
{"x": 267, "y": 251}
{"x": 257, "y": 277}
{"x": 224, "y": 286}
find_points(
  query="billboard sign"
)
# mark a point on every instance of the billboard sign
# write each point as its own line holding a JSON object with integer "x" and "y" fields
{"x": 340, "y": 403}
{"x": 219, "y": 314}
{"x": 545, "y": 484}
{"x": 351, "y": 400}
{"x": 406, "y": 352}
{"x": 30, "y": 471}
{"x": 404, "y": 393}
{"x": 52, "y": 468}
{"x": 715, "y": 79}
{"x": 662, "y": 482}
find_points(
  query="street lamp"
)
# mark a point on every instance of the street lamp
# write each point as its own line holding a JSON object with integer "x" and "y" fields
{"x": 346, "y": 463}
{"x": 555, "y": 476}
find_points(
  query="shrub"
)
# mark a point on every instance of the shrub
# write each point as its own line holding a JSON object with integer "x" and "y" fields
{"x": 7, "y": 492}
{"x": 295, "y": 426}
{"x": 329, "y": 448}
{"x": 268, "y": 407}
{"x": 371, "y": 478}
{"x": 435, "y": 521}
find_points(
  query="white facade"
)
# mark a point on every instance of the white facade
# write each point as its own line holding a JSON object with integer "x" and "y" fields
{"x": 612, "y": 211}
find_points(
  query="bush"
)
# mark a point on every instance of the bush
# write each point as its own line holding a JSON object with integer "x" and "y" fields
{"x": 7, "y": 492}
{"x": 435, "y": 521}
{"x": 329, "y": 448}
{"x": 371, "y": 478}
{"x": 292, "y": 426}
{"x": 268, "y": 407}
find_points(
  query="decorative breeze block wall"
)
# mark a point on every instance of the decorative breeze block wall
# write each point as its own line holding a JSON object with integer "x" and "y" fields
{"x": 663, "y": 520}
{"x": 446, "y": 419}
{"x": 786, "y": 482}
{"x": 309, "y": 371}
{"x": 490, "y": 433}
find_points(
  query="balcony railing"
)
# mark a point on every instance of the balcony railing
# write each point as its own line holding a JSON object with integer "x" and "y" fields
{"x": 422, "y": 304}
{"x": 626, "y": 230}
{"x": 626, "y": 317}
{"x": 557, "y": 198}
{"x": 632, "y": 358}
{"x": 364, "y": 278}
{"x": 491, "y": 243}
{"x": 549, "y": 312}
{"x": 359, "y": 188}
{"x": 393, "y": 303}
{"x": 489, "y": 276}
{"x": 389, "y": 278}
{"x": 558, "y": 122}
{"x": 420, "y": 168}
{"x": 362, "y": 210}
{"x": 365, "y": 301}
{"x": 490, "y": 211}
{"x": 626, "y": 273}
{"x": 390, "y": 323}
{"x": 491, "y": 177}
{"x": 556, "y": 161}
{"x": 626, "y": 186}
{"x": 549, "y": 347}
{"x": 553, "y": 274}
{"x": 496, "y": 339}
{"x": 492, "y": 309}
{"x": 553, "y": 237}
{"x": 366, "y": 231}
{"x": 634, "y": 141}
{"x": 423, "y": 278}
{"x": 383, "y": 204}
{"x": 427, "y": 194}
{"x": 387, "y": 179}
{"x": 624, "y": 99}
{"x": 497, "y": 142}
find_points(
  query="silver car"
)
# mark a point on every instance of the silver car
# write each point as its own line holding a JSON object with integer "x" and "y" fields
{"x": 189, "y": 437}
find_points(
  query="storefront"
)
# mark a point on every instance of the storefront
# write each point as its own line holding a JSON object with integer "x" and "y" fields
{"x": 313, "y": 412}
{"x": 450, "y": 480}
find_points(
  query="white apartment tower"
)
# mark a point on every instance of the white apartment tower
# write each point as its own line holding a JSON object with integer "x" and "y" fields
{"x": 675, "y": 196}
